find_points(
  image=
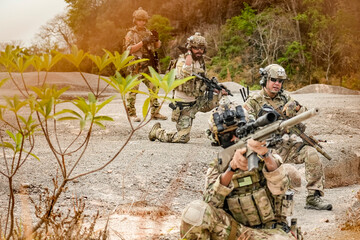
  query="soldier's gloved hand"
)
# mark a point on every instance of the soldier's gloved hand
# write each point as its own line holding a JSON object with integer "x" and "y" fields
{"x": 224, "y": 92}
{"x": 291, "y": 108}
{"x": 258, "y": 147}
{"x": 149, "y": 39}
{"x": 239, "y": 161}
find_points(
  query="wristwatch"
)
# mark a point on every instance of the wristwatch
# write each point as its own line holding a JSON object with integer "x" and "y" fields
{"x": 230, "y": 169}
{"x": 264, "y": 156}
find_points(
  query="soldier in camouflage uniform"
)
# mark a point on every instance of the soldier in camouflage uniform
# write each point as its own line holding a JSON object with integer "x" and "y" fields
{"x": 192, "y": 93}
{"x": 272, "y": 94}
{"x": 140, "y": 42}
{"x": 242, "y": 204}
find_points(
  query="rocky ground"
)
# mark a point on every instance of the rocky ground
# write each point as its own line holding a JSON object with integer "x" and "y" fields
{"x": 143, "y": 192}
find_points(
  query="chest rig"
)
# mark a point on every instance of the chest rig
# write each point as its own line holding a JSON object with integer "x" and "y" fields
{"x": 252, "y": 204}
{"x": 194, "y": 87}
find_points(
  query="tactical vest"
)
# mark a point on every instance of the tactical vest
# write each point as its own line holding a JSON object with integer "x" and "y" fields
{"x": 194, "y": 87}
{"x": 251, "y": 202}
{"x": 137, "y": 36}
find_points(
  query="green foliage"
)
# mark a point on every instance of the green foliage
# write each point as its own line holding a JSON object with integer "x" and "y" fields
{"x": 288, "y": 59}
{"x": 244, "y": 22}
{"x": 101, "y": 62}
{"x": 122, "y": 84}
{"x": 162, "y": 26}
{"x": 7, "y": 57}
{"x": 76, "y": 56}
{"x": 3, "y": 81}
{"x": 168, "y": 83}
{"x": 234, "y": 43}
{"x": 47, "y": 99}
{"x": 22, "y": 128}
{"x": 89, "y": 110}
{"x": 47, "y": 104}
{"x": 164, "y": 63}
{"x": 122, "y": 61}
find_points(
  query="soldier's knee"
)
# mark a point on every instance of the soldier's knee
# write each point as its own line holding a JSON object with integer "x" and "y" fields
{"x": 312, "y": 156}
{"x": 293, "y": 174}
{"x": 192, "y": 217}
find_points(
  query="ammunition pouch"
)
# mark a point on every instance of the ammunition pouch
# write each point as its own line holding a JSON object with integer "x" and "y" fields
{"x": 177, "y": 107}
{"x": 252, "y": 204}
{"x": 193, "y": 88}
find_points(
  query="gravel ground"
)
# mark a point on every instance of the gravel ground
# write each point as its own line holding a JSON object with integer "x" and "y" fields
{"x": 144, "y": 190}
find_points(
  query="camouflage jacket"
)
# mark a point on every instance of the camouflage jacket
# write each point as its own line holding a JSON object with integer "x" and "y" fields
{"x": 133, "y": 37}
{"x": 253, "y": 106}
{"x": 192, "y": 88}
{"x": 215, "y": 192}
{"x": 255, "y": 102}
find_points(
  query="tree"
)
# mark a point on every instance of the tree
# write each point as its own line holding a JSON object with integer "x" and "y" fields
{"x": 56, "y": 34}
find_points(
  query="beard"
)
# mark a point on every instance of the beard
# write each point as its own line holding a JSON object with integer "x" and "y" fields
{"x": 196, "y": 57}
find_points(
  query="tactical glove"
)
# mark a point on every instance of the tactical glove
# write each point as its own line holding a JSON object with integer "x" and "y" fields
{"x": 149, "y": 39}
{"x": 291, "y": 108}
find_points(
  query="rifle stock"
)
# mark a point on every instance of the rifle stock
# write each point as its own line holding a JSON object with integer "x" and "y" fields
{"x": 261, "y": 134}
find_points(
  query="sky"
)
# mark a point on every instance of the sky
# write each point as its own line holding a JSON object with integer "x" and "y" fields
{"x": 22, "y": 19}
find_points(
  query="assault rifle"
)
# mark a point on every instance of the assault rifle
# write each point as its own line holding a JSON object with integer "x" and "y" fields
{"x": 309, "y": 140}
{"x": 266, "y": 128}
{"x": 212, "y": 84}
{"x": 153, "y": 56}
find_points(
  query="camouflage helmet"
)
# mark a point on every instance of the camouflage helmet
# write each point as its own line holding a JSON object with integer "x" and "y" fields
{"x": 275, "y": 71}
{"x": 196, "y": 40}
{"x": 224, "y": 102}
{"x": 140, "y": 14}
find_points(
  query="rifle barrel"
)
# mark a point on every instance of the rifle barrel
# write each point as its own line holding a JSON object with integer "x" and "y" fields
{"x": 299, "y": 118}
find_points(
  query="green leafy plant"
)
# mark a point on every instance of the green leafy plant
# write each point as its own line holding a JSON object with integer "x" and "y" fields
{"x": 43, "y": 109}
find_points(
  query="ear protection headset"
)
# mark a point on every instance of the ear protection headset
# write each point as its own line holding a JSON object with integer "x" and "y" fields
{"x": 264, "y": 76}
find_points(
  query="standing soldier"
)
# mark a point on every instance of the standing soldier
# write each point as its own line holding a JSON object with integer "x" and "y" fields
{"x": 141, "y": 43}
{"x": 192, "y": 93}
{"x": 272, "y": 94}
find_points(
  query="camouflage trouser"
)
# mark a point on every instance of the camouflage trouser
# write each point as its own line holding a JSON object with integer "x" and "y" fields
{"x": 184, "y": 120}
{"x": 131, "y": 98}
{"x": 203, "y": 221}
{"x": 313, "y": 168}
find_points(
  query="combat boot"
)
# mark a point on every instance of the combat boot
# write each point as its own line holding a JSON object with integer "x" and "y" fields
{"x": 158, "y": 116}
{"x": 314, "y": 201}
{"x": 135, "y": 118}
{"x": 152, "y": 133}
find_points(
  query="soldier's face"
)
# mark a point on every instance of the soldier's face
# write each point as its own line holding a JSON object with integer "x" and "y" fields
{"x": 273, "y": 86}
{"x": 141, "y": 23}
{"x": 198, "y": 51}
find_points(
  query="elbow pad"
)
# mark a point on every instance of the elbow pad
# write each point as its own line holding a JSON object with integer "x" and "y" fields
{"x": 277, "y": 180}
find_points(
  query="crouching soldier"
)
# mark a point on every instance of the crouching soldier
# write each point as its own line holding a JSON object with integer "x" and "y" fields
{"x": 243, "y": 204}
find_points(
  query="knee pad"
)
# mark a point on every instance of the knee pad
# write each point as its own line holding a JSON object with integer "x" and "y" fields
{"x": 293, "y": 174}
{"x": 312, "y": 155}
{"x": 194, "y": 212}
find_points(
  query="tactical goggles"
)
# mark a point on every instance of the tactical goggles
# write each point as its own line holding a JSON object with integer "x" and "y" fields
{"x": 198, "y": 48}
{"x": 141, "y": 20}
{"x": 277, "y": 80}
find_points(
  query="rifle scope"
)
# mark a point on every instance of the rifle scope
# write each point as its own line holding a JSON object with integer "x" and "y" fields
{"x": 250, "y": 127}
